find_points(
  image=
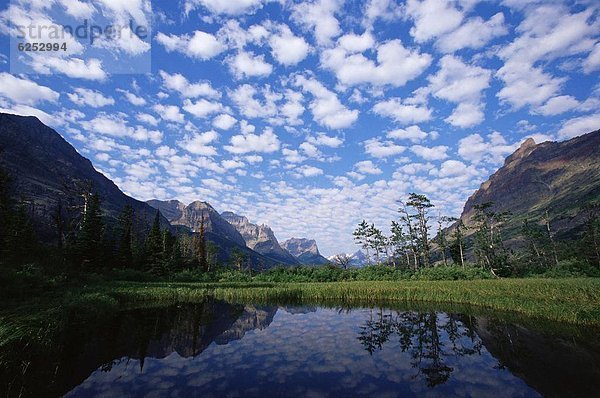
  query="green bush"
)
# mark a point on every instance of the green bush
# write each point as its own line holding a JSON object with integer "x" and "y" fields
{"x": 571, "y": 268}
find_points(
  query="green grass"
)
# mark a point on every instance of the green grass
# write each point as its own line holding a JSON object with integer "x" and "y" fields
{"x": 573, "y": 301}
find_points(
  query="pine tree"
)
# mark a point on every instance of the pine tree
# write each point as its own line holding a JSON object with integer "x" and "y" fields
{"x": 125, "y": 252}
{"x": 421, "y": 204}
{"x": 199, "y": 244}
{"x": 154, "y": 247}
{"x": 361, "y": 238}
{"x": 458, "y": 247}
{"x": 90, "y": 238}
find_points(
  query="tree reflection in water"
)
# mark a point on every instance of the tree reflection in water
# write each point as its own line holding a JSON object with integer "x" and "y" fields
{"x": 429, "y": 337}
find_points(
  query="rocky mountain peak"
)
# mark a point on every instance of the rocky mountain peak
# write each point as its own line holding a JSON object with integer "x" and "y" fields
{"x": 305, "y": 250}
{"x": 259, "y": 238}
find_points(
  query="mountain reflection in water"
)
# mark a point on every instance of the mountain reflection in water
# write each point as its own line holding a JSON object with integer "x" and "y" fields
{"x": 220, "y": 349}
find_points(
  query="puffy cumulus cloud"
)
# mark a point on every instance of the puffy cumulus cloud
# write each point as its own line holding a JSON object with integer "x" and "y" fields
{"x": 291, "y": 110}
{"x": 476, "y": 149}
{"x": 319, "y": 17}
{"x": 463, "y": 84}
{"x": 378, "y": 149}
{"x": 179, "y": 83}
{"x": 548, "y": 31}
{"x": 395, "y": 65}
{"x": 224, "y": 121}
{"x": 324, "y": 140}
{"x": 266, "y": 142}
{"x": 147, "y": 118}
{"x": 292, "y": 156}
{"x": 432, "y": 18}
{"x": 199, "y": 143}
{"x": 225, "y": 7}
{"x": 116, "y": 125}
{"x": 526, "y": 85}
{"x": 430, "y": 153}
{"x": 307, "y": 171}
{"x": 202, "y": 107}
{"x": 386, "y": 10}
{"x": 287, "y": 48}
{"x": 579, "y": 125}
{"x": 24, "y": 91}
{"x": 93, "y": 98}
{"x": 475, "y": 33}
{"x": 367, "y": 167}
{"x": 88, "y": 69}
{"x": 411, "y": 133}
{"x": 451, "y": 168}
{"x": 247, "y": 64}
{"x": 171, "y": 113}
{"x": 557, "y": 105}
{"x": 200, "y": 45}
{"x": 244, "y": 98}
{"x": 326, "y": 107}
{"x": 132, "y": 98}
{"x": 403, "y": 111}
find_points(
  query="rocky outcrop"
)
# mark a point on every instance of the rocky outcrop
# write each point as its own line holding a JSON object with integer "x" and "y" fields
{"x": 260, "y": 238}
{"x": 305, "y": 251}
{"x": 560, "y": 178}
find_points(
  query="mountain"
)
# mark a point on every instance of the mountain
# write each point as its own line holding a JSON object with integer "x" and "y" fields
{"x": 47, "y": 173}
{"x": 558, "y": 177}
{"x": 305, "y": 250}
{"x": 216, "y": 228}
{"x": 260, "y": 238}
{"x": 358, "y": 259}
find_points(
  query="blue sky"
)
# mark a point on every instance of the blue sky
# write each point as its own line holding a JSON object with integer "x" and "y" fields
{"x": 310, "y": 116}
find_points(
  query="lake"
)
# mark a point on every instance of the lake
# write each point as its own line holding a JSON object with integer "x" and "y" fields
{"x": 220, "y": 349}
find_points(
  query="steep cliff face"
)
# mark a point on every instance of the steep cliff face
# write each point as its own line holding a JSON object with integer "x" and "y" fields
{"x": 305, "y": 250}
{"x": 46, "y": 171}
{"x": 558, "y": 177}
{"x": 260, "y": 238}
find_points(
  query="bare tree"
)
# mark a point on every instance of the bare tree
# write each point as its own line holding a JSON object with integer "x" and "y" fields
{"x": 342, "y": 260}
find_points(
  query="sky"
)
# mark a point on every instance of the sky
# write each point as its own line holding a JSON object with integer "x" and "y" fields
{"x": 307, "y": 116}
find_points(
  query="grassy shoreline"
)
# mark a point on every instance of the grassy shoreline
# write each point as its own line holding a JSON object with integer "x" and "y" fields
{"x": 569, "y": 301}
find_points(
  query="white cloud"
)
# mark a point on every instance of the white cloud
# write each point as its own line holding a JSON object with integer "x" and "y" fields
{"x": 202, "y": 107}
{"x": 25, "y": 91}
{"x": 558, "y": 105}
{"x": 227, "y": 7}
{"x": 148, "y": 119}
{"x": 367, "y": 167}
{"x": 411, "y": 133}
{"x": 433, "y": 153}
{"x": 224, "y": 121}
{"x": 307, "y": 171}
{"x": 402, "y": 112}
{"x": 132, "y": 98}
{"x": 266, "y": 142}
{"x": 378, "y": 149}
{"x": 93, "y": 98}
{"x": 476, "y": 150}
{"x": 592, "y": 62}
{"x": 171, "y": 113}
{"x": 432, "y": 18}
{"x": 287, "y": 48}
{"x": 324, "y": 140}
{"x": 319, "y": 16}
{"x": 579, "y": 125}
{"x": 475, "y": 33}
{"x": 90, "y": 69}
{"x": 198, "y": 143}
{"x": 200, "y": 45}
{"x": 116, "y": 125}
{"x": 462, "y": 84}
{"x": 177, "y": 82}
{"x": 244, "y": 98}
{"x": 247, "y": 64}
{"x": 326, "y": 108}
{"x": 395, "y": 65}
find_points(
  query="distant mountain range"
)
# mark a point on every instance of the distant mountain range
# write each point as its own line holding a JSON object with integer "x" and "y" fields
{"x": 358, "y": 259}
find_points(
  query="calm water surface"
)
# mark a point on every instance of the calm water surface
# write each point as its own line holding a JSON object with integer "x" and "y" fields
{"x": 220, "y": 349}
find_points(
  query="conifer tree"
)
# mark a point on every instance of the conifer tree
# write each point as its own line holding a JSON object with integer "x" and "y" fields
{"x": 154, "y": 246}
{"x": 125, "y": 251}
{"x": 90, "y": 237}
